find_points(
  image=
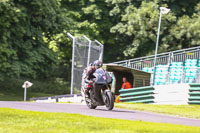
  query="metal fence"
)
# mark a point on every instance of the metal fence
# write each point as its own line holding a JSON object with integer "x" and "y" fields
{"x": 84, "y": 52}
{"x": 163, "y": 58}
{"x": 166, "y": 59}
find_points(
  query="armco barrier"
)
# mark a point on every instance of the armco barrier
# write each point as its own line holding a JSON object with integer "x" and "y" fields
{"x": 138, "y": 95}
{"x": 163, "y": 94}
{"x": 58, "y": 98}
{"x": 194, "y": 94}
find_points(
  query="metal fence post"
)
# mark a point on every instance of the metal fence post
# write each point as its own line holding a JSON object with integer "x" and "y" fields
{"x": 89, "y": 51}
{"x": 72, "y": 71}
{"x": 25, "y": 90}
{"x": 129, "y": 63}
{"x": 156, "y": 51}
{"x": 102, "y": 49}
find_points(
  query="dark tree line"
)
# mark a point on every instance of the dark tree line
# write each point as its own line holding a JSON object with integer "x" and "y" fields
{"x": 34, "y": 44}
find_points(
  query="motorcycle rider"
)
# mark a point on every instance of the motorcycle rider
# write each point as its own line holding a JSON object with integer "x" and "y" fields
{"x": 89, "y": 75}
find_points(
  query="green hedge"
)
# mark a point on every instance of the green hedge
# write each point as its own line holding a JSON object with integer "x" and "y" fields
{"x": 57, "y": 86}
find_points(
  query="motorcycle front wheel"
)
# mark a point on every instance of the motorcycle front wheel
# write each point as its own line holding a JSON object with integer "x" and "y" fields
{"x": 109, "y": 101}
{"x": 89, "y": 104}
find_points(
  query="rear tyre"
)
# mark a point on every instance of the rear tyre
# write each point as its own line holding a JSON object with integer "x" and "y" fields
{"x": 109, "y": 101}
{"x": 90, "y": 104}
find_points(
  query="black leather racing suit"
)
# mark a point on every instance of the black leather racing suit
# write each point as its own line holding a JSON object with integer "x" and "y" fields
{"x": 89, "y": 76}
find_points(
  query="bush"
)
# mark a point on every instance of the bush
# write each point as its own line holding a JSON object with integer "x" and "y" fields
{"x": 57, "y": 86}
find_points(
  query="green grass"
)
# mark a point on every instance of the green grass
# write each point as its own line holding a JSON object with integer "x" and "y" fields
{"x": 5, "y": 96}
{"x": 191, "y": 111}
{"x": 19, "y": 121}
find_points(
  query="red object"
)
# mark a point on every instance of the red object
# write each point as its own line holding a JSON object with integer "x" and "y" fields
{"x": 126, "y": 85}
{"x": 146, "y": 61}
{"x": 89, "y": 86}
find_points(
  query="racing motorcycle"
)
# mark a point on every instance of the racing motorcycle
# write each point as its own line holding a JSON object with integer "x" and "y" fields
{"x": 100, "y": 93}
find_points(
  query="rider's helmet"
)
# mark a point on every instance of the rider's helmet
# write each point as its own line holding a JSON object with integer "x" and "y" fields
{"x": 97, "y": 63}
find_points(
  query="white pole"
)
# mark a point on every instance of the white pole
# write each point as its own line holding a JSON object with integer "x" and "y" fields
{"x": 72, "y": 76}
{"x": 26, "y": 85}
{"x": 89, "y": 51}
{"x": 24, "y": 94}
{"x": 156, "y": 50}
{"x": 102, "y": 49}
{"x": 102, "y": 53}
{"x": 72, "y": 71}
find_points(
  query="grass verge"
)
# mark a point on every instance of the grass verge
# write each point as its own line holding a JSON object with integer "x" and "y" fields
{"x": 19, "y": 121}
{"x": 190, "y": 111}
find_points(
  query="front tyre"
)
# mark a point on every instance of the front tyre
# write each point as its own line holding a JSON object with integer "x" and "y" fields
{"x": 109, "y": 101}
{"x": 90, "y": 104}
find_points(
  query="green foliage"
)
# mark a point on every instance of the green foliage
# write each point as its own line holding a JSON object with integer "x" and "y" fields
{"x": 187, "y": 30}
{"x": 139, "y": 21}
{"x": 55, "y": 86}
{"x": 34, "y": 44}
{"x": 92, "y": 19}
{"x": 129, "y": 28}
{"x": 5, "y": 96}
{"x": 24, "y": 24}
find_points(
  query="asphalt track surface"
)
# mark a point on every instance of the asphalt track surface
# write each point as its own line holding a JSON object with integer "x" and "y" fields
{"x": 101, "y": 112}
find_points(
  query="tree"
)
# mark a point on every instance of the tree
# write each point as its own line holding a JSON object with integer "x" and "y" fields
{"x": 92, "y": 19}
{"x": 27, "y": 27}
{"x": 186, "y": 32}
{"x": 139, "y": 21}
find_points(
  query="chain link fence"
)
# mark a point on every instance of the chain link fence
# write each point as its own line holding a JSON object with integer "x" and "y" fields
{"x": 84, "y": 52}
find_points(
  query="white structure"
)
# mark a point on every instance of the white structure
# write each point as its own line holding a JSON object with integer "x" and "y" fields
{"x": 163, "y": 10}
{"x": 84, "y": 52}
{"x": 26, "y": 85}
{"x": 171, "y": 94}
{"x": 72, "y": 99}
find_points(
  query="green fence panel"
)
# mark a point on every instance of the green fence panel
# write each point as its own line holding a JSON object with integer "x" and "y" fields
{"x": 194, "y": 89}
{"x": 194, "y": 102}
{"x": 195, "y": 84}
{"x": 136, "y": 93}
{"x": 141, "y": 101}
{"x": 136, "y": 89}
{"x": 194, "y": 93}
{"x": 194, "y": 98}
{"x": 137, "y": 97}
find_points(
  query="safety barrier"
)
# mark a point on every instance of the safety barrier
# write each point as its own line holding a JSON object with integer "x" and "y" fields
{"x": 194, "y": 94}
{"x": 138, "y": 95}
{"x": 176, "y": 94}
{"x": 74, "y": 98}
{"x": 163, "y": 94}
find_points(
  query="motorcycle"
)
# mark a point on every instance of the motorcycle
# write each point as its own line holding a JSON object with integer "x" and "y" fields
{"x": 100, "y": 93}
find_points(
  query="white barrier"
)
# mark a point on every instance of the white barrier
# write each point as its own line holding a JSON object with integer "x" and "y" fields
{"x": 171, "y": 94}
{"x": 49, "y": 100}
{"x": 74, "y": 99}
